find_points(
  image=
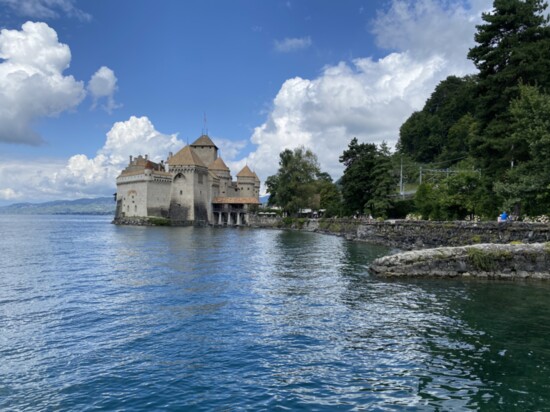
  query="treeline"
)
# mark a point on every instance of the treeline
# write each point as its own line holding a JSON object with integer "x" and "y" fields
{"x": 490, "y": 132}
{"x": 493, "y": 127}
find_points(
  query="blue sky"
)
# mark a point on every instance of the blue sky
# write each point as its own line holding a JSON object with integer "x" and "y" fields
{"x": 85, "y": 84}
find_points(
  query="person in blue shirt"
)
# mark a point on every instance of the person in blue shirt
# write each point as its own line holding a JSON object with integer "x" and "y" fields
{"x": 503, "y": 217}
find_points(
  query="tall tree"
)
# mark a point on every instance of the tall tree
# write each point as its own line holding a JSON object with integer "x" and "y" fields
{"x": 295, "y": 185}
{"x": 512, "y": 46}
{"x": 526, "y": 187}
{"x": 368, "y": 180}
{"x": 359, "y": 160}
{"x": 383, "y": 183}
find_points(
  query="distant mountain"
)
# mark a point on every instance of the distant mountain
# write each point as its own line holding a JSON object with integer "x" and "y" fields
{"x": 264, "y": 199}
{"x": 97, "y": 206}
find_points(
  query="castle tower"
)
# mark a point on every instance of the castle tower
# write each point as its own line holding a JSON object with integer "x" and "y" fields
{"x": 206, "y": 149}
{"x": 219, "y": 167}
{"x": 246, "y": 182}
{"x": 189, "y": 196}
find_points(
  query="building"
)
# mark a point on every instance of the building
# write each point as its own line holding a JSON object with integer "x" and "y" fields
{"x": 193, "y": 186}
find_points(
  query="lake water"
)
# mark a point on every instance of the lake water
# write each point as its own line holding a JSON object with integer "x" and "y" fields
{"x": 99, "y": 317}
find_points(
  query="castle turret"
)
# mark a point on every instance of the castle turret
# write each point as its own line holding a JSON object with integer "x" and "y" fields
{"x": 206, "y": 149}
{"x": 189, "y": 198}
{"x": 246, "y": 181}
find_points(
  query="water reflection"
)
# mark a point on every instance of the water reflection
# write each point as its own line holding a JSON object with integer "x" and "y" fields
{"x": 103, "y": 317}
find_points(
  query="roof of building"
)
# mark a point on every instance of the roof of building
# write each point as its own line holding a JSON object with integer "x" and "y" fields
{"x": 214, "y": 176}
{"x": 236, "y": 200}
{"x": 204, "y": 140}
{"x": 218, "y": 164}
{"x": 186, "y": 157}
{"x": 246, "y": 172}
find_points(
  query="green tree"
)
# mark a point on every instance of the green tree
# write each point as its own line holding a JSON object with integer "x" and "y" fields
{"x": 293, "y": 187}
{"x": 512, "y": 46}
{"x": 368, "y": 180}
{"x": 330, "y": 196}
{"x": 526, "y": 186}
{"x": 426, "y": 135}
{"x": 359, "y": 159}
{"x": 383, "y": 183}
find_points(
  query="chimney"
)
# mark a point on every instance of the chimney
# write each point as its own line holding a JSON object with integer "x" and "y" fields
{"x": 131, "y": 158}
{"x": 146, "y": 156}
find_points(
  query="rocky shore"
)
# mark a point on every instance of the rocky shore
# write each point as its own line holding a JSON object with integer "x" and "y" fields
{"x": 489, "y": 261}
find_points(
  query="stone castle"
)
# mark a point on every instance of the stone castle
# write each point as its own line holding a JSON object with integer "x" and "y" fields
{"x": 194, "y": 186}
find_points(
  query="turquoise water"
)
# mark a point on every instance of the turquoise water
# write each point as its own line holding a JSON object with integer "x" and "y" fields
{"x": 99, "y": 317}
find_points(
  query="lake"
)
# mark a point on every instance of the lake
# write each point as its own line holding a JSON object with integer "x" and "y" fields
{"x": 101, "y": 317}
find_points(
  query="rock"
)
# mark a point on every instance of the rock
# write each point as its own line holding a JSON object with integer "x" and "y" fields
{"x": 484, "y": 261}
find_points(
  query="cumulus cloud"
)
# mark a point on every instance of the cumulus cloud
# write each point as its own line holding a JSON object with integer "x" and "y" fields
{"x": 46, "y": 9}
{"x": 103, "y": 85}
{"x": 81, "y": 176}
{"x": 9, "y": 194}
{"x": 370, "y": 98}
{"x": 32, "y": 81}
{"x": 292, "y": 44}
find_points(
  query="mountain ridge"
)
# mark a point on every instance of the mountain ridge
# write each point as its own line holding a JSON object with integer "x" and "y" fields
{"x": 84, "y": 206}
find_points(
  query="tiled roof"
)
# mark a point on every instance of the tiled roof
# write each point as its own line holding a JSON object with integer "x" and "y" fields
{"x": 204, "y": 140}
{"x": 246, "y": 172}
{"x": 236, "y": 200}
{"x": 218, "y": 164}
{"x": 186, "y": 157}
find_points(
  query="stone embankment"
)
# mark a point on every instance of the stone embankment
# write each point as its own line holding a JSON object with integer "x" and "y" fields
{"x": 489, "y": 261}
{"x": 413, "y": 235}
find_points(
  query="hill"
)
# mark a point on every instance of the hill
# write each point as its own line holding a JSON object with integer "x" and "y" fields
{"x": 97, "y": 206}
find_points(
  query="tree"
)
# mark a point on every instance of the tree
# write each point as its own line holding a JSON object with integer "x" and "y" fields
{"x": 383, "y": 182}
{"x": 425, "y": 134}
{"x": 300, "y": 184}
{"x": 368, "y": 180}
{"x": 359, "y": 160}
{"x": 459, "y": 195}
{"x": 330, "y": 196}
{"x": 512, "y": 46}
{"x": 526, "y": 187}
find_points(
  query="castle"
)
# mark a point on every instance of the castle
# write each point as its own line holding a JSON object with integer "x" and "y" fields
{"x": 194, "y": 186}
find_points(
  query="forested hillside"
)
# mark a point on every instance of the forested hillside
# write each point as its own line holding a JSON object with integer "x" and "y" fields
{"x": 491, "y": 129}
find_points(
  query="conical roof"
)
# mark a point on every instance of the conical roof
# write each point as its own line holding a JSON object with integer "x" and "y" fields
{"x": 246, "y": 172}
{"x": 186, "y": 157}
{"x": 204, "y": 140}
{"x": 218, "y": 164}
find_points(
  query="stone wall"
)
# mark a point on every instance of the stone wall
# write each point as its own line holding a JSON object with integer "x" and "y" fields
{"x": 409, "y": 235}
{"x": 526, "y": 261}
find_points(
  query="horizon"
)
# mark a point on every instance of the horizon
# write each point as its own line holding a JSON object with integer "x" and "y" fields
{"x": 88, "y": 86}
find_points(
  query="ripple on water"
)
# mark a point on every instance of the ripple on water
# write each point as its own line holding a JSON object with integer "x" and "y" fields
{"x": 94, "y": 316}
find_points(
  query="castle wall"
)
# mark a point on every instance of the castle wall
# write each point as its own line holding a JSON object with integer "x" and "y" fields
{"x": 158, "y": 197}
{"x": 132, "y": 194}
{"x": 201, "y": 207}
{"x": 182, "y": 196}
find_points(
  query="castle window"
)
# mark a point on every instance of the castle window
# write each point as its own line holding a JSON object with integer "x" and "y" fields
{"x": 181, "y": 192}
{"x": 135, "y": 208}
{"x": 200, "y": 178}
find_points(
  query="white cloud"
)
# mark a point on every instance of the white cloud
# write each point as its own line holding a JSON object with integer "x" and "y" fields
{"x": 292, "y": 44}
{"x": 229, "y": 149}
{"x": 103, "y": 85}
{"x": 32, "y": 81}
{"x": 46, "y": 9}
{"x": 368, "y": 98}
{"x": 80, "y": 176}
{"x": 9, "y": 194}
